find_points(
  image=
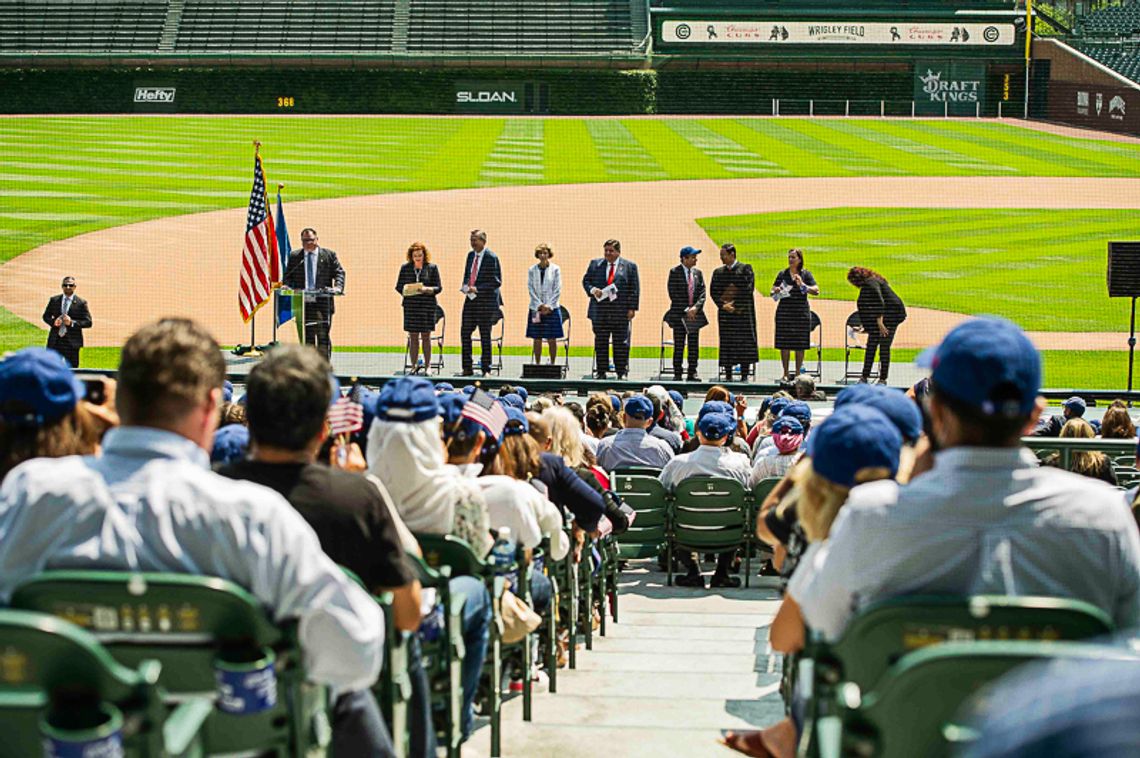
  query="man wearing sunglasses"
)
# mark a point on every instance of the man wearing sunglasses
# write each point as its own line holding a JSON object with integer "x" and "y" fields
{"x": 67, "y": 316}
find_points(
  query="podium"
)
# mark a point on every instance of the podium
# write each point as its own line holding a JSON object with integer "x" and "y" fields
{"x": 309, "y": 298}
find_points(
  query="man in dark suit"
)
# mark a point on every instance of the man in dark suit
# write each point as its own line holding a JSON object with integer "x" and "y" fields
{"x": 732, "y": 288}
{"x": 615, "y": 291}
{"x": 482, "y": 302}
{"x": 67, "y": 316}
{"x": 316, "y": 268}
{"x": 686, "y": 314}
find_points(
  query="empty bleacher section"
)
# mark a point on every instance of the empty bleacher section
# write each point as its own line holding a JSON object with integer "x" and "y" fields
{"x": 522, "y": 27}
{"x": 286, "y": 26}
{"x": 1123, "y": 59}
{"x": 81, "y": 26}
{"x": 1113, "y": 22}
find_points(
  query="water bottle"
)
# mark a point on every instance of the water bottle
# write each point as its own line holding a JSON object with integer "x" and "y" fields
{"x": 503, "y": 557}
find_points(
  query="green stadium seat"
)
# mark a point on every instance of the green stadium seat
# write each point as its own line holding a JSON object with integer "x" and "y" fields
{"x": 642, "y": 490}
{"x": 708, "y": 515}
{"x": 50, "y": 665}
{"x": 184, "y": 622}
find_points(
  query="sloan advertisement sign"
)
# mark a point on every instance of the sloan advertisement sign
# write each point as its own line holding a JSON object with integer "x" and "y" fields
{"x": 783, "y": 32}
{"x": 489, "y": 97}
{"x": 956, "y": 88}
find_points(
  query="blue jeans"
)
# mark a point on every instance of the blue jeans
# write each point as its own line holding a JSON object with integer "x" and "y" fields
{"x": 420, "y": 727}
{"x": 358, "y": 728}
{"x": 541, "y": 592}
{"x": 476, "y": 633}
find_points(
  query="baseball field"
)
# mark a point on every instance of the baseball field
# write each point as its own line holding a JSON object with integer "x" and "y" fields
{"x": 962, "y": 216}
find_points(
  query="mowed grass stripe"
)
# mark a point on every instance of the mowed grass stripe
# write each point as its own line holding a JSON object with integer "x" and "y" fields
{"x": 753, "y": 135}
{"x": 1015, "y": 270}
{"x": 842, "y": 151}
{"x": 905, "y": 162}
{"x": 678, "y": 156}
{"x": 979, "y": 149}
{"x": 1073, "y": 155}
{"x": 568, "y": 137}
{"x": 893, "y": 135}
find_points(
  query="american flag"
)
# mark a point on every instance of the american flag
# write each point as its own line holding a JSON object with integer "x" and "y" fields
{"x": 483, "y": 409}
{"x": 260, "y": 266}
{"x": 345, "y": 417}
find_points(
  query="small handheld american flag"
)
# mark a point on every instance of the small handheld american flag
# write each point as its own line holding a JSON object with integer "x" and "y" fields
{"x": 483, "y": 409}
{"x": 345, "y": 417}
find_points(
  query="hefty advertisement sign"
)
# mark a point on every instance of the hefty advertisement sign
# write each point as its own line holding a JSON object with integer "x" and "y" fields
{"x": 154, "y": 94}
{"x": 154, "y": 97}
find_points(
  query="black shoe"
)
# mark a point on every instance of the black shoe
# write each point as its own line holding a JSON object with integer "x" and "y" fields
{"x": 692, "y": 378}
{"x": 677, "y": 376}
{"x": 600, "y": 375}
{"x": 467, "y": 372}
{"x": 622, "y": 377}
{"x": 881, "y": 381}
{"x": 730, "y": 582}
{"x": 690, "y": 580}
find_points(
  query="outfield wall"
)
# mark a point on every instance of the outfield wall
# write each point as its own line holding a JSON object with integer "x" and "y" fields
{"x": 706, "y": 88}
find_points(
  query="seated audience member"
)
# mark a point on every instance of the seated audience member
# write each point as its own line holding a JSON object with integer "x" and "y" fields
{"x": 633, "y": 446}
{"x": 1074, "y": 407}
{"x": 565, "y": 485}
{"x": 1117, "y": 424}
{"x": 787, "y": 436}
{"x": 231, "y": 443}
{"x": 770, "y": 409}
{"x": 986, "y": 519}
{"x": 712, "y": 458}
{"x": 661, "y": 428}
{"x": 1090, "y": 463}
{"x": 855, "y": 445}
{"x": 406, "y": 454}
{"x": 171, "y": 513}
{"x": 803, "y": 388}
{"x": 902, "y": 411}
{"x": 231, "y": 413}
{"x": 44, "y": 412}
{"x": 796, "y": 409}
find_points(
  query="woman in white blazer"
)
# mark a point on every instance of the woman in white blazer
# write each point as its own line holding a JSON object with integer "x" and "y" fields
{"x": 544, "y": 281}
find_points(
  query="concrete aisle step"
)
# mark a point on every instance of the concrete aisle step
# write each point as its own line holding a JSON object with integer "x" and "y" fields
{"x": 681, "y": 666}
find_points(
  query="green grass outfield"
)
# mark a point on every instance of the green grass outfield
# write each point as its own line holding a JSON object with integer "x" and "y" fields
{"x": 1012, "y": 263}
{"x": 1073, "y": 369}
{"x": 63, "y": 176}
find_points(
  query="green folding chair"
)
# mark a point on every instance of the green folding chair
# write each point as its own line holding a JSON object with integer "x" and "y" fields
{"x": 185, "y": 622}
{"x": 455, "y": 553}
{"x": 885, "y": 632}
{"x": 52, "y": 670}
{"x": 565, "y": 574}
{"x": 442, "y": 658}
{"x": 642, "y": 491}
{"x": 914, "y": 710}
{"x": 708, "y": 515}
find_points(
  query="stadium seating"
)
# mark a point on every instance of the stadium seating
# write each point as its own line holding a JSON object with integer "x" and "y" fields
{"x": 520, "y": 27}
{"x": 286, "y": 26}
{"x": 82, "y": 26}
{"x": 1125, "y": 60}
{"x": 1112, "y": 21}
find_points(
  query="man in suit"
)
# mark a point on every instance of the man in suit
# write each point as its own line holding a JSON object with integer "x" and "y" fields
{"x": 615, "y": 290}
{"x": 67, "y": 316}
{"x": 686, "y": 314}
{"x": 482, "y": 278}
{"x": 732, "y": 289}
{"x": 316, "y": 268}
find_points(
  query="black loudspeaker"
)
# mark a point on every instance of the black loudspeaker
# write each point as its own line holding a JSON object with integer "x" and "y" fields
{"x": 542, "y": 371}
{"x": 1124, "y": 269}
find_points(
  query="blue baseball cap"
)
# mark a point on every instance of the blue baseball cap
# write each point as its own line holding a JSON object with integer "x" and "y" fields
{"x": 639, "y": 407}
{"x": 895, "y": 405}
{"x": 615, "y": 401}
{"x": 521, "y": 392}
{"x": 715, "y": 406}
{"x": 451, "y": 406}
{"x": 511, "y": 400}
{"x": 469, "y": 389}
{"x": 777, "y": 406}
{"x": 687, "y": 251}
{"x": 230, "y": 444}
{"x": 1076, "y": 406}
{"x": 444, "y": 387}
{"x": 677, "y": 399}
{"x": 852, "y": 438}
{"x": 407, "y": 399}
{"x": 516, "y": 422}
{"x": 787, "y": 425}
{"x": 798, "y": 410}
{"x": 987, "y": 364}
{"x": 1095, "y": 424}
{"x": 41, "y": 383}
{"x": 716, "y": 426}
{"x": 227, "y": 390}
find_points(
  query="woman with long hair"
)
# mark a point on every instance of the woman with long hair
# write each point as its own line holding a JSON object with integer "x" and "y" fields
{"x": 1117, "y": 424}
{"x": 419, "y": 283}
{"x": 793, "y": 314}
{"x": 880, "y": 312}
{"x": 1091, "y": 463}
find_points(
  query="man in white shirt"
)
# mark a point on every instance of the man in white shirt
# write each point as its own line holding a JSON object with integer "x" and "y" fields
{"x": 712, "y": 458}
{"x": 67, "y": 315}
{"x": 986, "y": 519}
{"x": 151, "y": 503}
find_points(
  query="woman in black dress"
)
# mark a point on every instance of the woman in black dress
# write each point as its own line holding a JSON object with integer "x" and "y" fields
{"x": 793, "y": 314}
{"x": 880, "y": 311}
{"x": 419, "y": 283}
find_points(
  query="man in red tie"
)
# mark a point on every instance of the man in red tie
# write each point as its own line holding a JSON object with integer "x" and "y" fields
{"x": 482, "y": 302}
{"x": 686, "y": 314}
{"x": 614, "y": 288}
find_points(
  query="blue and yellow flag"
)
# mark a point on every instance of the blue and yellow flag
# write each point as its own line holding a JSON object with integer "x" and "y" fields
{"x": 284, "y": 304}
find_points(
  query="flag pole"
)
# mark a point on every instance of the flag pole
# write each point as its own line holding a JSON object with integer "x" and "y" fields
{"x": 277, "y": 290}
{"x": 251, "y": 349}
